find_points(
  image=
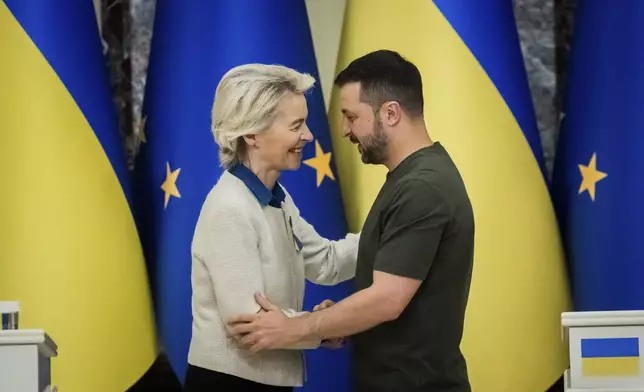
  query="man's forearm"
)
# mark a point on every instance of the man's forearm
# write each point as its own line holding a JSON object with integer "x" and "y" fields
{"x": 357, "y": 313}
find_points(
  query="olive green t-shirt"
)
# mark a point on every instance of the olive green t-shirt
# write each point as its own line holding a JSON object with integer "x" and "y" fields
{"x": 420, "y": 226}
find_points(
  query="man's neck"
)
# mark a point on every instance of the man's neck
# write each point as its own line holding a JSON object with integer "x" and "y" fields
{"x": 406, "y": 144}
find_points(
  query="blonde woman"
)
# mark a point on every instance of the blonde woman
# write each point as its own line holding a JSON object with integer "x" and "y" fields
{"x": 250, "y": 236}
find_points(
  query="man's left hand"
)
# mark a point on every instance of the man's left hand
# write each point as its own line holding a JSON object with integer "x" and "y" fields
{"x": 266, "y": 330}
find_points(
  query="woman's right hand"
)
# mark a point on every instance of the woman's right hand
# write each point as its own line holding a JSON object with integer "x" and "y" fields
{"x": 334, "y": 343}
{"x": 323, "y": 305}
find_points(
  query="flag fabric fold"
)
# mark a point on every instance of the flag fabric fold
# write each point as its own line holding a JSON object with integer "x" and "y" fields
{"x": 194, "y": 44}
{"x": 597, "y": 186}
{"x": 477, "y": 103}
{"x": 70, "y": 250}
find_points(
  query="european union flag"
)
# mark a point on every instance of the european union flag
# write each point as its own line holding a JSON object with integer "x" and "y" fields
{"x": 194, "y": 44}
{"x": 598, "y": 184}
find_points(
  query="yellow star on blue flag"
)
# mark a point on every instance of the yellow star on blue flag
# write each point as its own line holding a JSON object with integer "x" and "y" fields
{"x": 590, "y": 177}
{"x": 169, "y": 186}
{"x": 321, "y": 163}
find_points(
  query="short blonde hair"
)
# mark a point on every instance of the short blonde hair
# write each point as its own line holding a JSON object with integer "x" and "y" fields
{"x": 246, "y": 103}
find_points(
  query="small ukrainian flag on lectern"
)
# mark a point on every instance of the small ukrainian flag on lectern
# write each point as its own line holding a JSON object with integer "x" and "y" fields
{"x": 610, "y": 356}
{"x": 604, "y": 349}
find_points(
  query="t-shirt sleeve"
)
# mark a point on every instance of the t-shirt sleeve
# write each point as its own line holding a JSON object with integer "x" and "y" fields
{"x": 413, "y": 226}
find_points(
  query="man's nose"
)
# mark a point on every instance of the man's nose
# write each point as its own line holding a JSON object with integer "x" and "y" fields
{"x": 346, "y": 129}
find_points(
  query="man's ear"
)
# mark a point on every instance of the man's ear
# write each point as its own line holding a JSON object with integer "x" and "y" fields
{"x": 391, "y": 113}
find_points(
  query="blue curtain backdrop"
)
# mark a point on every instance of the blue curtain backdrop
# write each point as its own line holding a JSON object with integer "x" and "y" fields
{"x": 598, "y": 186}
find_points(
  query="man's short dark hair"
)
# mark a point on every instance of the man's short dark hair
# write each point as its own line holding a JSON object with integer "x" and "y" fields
{"x": 385, "y": 75}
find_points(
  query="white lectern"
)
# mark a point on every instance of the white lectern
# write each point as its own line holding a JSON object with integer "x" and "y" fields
{"x": 25, "y": 360}
{"x": 605, "y": 351}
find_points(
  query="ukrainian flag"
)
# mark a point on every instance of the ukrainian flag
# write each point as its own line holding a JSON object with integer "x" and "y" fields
{"x": 194, "y": 44}
{"x": 610, "y": 357}
{"x": 598, "y": 181}
{"x": 477, "y": 103}
{"x": 70, "y": 251}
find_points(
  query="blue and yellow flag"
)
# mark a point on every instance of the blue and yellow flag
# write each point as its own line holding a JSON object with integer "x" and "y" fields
{"x": 477, "y": 103}
{"x": 610, "y": 357}
{"x": 70, "y": 251}
{"x": 598, "y": 186}
{"x": 194, "y": 44}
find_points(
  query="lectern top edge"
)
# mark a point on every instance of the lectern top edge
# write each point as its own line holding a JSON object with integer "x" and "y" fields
{"x": 587, "y": 319}
{"x": 30, "y": 336}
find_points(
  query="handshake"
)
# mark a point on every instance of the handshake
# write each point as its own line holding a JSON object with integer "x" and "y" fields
{"x": 334, "y": 343}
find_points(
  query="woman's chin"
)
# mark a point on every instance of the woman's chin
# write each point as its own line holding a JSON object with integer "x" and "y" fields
{"x": 293, "y": 162}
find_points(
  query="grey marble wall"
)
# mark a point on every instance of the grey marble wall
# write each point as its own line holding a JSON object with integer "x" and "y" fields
{"x": 142, "y": 14}
{"x": 536, "y": 26}
{"x": 544, "y": 30}
{"x": 126, "y": 30}
{"x": 114, "y": 25}
{"x": 543, "y": 25}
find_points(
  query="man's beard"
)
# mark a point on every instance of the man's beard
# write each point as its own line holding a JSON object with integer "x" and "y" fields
{"x": 374, "y": 147}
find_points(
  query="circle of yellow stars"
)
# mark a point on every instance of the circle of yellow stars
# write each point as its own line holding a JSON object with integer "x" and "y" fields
{"x": 321, "y": 162}
{"x": 590, "y": 176}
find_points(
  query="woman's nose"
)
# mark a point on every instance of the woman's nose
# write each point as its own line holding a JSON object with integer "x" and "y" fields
{"x": 307, "y": 136}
